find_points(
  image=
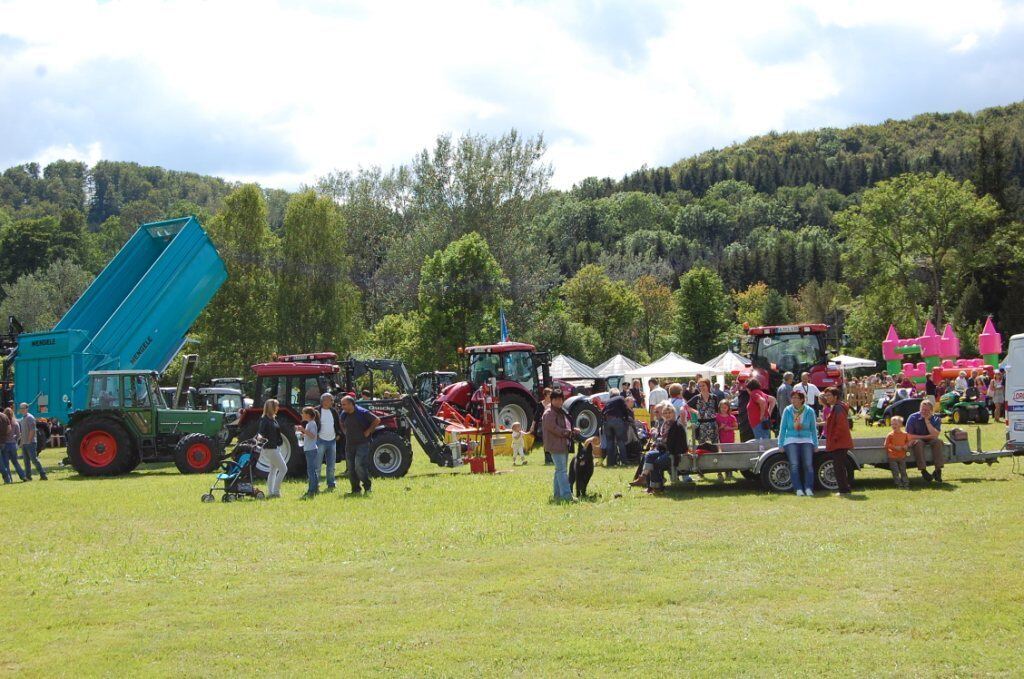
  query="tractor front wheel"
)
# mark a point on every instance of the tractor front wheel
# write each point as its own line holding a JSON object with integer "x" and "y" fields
{"x": 196, "y": 454}
{"x": 100, "y": 446}
{"x": 390, "y": 455}
{"x": 512, "y": 408}
{"x": 586, "y": 417}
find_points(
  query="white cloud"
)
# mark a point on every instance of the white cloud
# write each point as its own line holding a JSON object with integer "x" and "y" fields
{"x": 90, "y": 154}
{"x": 376, "y": 81}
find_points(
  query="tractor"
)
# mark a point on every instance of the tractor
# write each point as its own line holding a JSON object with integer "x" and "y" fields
{"x": 522, "y": 373}
{"x": 127, "y": 422}
{"x": 961, "y": 410}
{"x": 429, "y": 385}
{"x": 777, "y": 349}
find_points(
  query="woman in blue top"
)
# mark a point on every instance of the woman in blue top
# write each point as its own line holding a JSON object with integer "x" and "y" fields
{"x": 798, "y": 436}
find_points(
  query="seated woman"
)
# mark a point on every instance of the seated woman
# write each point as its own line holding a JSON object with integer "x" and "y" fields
{"x": 670, "y": 444}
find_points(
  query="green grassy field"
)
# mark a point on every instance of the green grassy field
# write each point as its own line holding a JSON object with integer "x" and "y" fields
{"x": 447, "y": 574}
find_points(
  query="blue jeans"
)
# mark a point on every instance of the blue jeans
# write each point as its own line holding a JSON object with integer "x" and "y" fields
{"x": 658, "y": 462}
{"x": 801, "y": 456}
{"x": 312, "y": 470}
{"x": 762, "y": 432}
{"x": 617, "y": 434}
{"x": 28, "y": 451}
{"x": 9, "y": 454}
{"x": 358, "y": 461}
{"x": 327, "y": 451}
{"x": 563, "y": 491}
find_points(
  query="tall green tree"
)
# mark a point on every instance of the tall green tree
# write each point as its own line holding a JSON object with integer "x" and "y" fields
{"x": 461, "y": 291}
{"x": 39, "y": 299}
{"x": 238, "y": 327}
{"x": 657, "y": 311}
{"x": 703, "y": 312}
{"x": 318, "y": 306}
{"x": 610, "y": 307}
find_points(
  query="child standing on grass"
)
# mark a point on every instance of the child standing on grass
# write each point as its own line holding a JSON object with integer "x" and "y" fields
{"x": 727, "y": 424}
{"x": 518, "y": 443}
{"x": 309, "y": 431}
{"x": 896, "y": 445}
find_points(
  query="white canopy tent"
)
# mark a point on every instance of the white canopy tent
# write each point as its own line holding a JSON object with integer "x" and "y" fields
{"x": 565, "y": 367}
{"x": 852, "y": 362}
{"x": 672, "y": 365}
{"x": 727, "y": 362}
{"x": 616, "y": 365}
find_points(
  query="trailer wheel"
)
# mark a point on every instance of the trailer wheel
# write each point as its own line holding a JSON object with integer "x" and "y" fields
{"x": 775, "y": 474}
{"x": 390, "y": 455}
{"x": 196, "y": 454}
{"x": 100, "y": 446}
{"x": 586, "y": 417}
{"x": 825, "y": 474}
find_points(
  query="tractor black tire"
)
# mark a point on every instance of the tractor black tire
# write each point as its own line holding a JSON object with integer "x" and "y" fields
{"x": 510, "y": 399}
{"x": 293, "y": 456}
{"x": 390, "y": 455}
{"x": 958, "y": 416}
{"x": 197, "y": 454}
{"x": 775, "y": 475}
{"x": 983, "y": 416}
{"x": 585, "y": 413}
{"x": 101, "y": 446}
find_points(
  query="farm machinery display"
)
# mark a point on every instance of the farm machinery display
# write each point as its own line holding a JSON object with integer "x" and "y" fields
{"x": 521, "y": 373}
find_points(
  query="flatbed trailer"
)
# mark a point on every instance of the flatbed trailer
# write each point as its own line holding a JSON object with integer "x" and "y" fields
{"x": 766, "y": 462}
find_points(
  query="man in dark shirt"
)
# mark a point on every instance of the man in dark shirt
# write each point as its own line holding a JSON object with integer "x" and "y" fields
{"x": 924, "y": 427}
{"x": 616, "y": 412}
{"x": 358, "y": 424}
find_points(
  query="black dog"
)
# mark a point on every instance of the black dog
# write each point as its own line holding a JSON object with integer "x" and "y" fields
{"x": 581, "y": 468}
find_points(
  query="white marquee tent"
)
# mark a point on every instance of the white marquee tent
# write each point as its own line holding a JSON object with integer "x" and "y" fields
{"x": 727, "y": 362}
{"x": 852, "y": 362}
{"x": 565, "y": 367}
{"x": 616, "y": 365}
{"x": 671, "y": 365}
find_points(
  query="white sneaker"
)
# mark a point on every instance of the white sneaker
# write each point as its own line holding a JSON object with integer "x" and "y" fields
{"x": 809, "y": 493}
{"x": 800, "y": 492}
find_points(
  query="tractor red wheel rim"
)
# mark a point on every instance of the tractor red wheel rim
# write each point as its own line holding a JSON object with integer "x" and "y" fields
{"x": 98, "y": 449}
{"x": 198, "y": 456}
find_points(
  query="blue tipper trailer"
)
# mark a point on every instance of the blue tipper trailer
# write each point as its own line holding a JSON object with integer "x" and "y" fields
{"x": 135, "y": 315}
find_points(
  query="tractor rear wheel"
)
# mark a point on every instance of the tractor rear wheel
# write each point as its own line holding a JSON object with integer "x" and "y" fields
{"x": 390, "y": 455}
{"x": 101, "y": 446}
{"x": 983, "y": 415}
{"x": 513, "y": 407}
{"x": 196, "y": 454}
{"x": 586, "y": 417}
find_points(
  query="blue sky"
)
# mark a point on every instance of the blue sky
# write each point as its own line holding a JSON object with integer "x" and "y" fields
{"x": 282, "y": 92}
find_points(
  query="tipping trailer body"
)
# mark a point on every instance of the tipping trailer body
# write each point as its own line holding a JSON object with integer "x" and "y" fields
{"x": 134, "y": 316}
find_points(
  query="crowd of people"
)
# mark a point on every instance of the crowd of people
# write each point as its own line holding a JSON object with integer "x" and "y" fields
{"x": 973, "y": 385}
{"x": 698, "y": 417}
{"x": 15, "y": 433}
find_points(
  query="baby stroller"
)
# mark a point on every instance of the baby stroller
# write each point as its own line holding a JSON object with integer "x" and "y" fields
{"x": 236, "y": 476}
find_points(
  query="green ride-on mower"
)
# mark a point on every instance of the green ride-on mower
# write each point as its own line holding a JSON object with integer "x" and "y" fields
{"x": 962, "y": 410}
{"x": 127, "y": 422}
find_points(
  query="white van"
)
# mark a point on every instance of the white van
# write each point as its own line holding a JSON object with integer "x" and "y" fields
{"x": 1014, "y": 365}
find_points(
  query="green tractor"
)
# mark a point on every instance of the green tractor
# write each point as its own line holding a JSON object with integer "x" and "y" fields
{"x": 962, "y": 410}
{"x": 128, "y": 422}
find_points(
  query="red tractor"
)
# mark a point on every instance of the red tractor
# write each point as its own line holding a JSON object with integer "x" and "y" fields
{"x": 521, "y": 372}
{"x": 299, "y": 380}
{"x": 777, "y": 349}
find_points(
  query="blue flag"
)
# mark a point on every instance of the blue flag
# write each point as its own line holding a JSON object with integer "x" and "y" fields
{"x": 504, "y": 326}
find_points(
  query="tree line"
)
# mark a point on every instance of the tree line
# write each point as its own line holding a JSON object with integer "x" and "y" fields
{"x": 417, "y": 260}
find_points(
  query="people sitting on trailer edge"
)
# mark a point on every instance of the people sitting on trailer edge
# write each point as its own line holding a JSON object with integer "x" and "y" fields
{"x": 924, "y": 428}
{"x": 670, "y": 443}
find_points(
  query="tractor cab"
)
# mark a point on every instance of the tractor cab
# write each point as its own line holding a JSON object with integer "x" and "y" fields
{"x": 778, "y": 349}
{"x": 430, "y": 384}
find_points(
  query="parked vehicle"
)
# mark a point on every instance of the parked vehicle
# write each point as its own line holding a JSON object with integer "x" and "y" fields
{"x": 126, "y": 422}
{"x": 887, "y": 403}
{"x": 961, "y": 410}
{"x": 777, "y": 349}
{"x": 522, "y": 373}
{"x": 429, "y": 385}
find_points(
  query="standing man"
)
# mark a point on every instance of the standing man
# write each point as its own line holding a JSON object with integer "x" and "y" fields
{"x": 838, "y": 439}
{"x": 810, "y": 391}
{"x": 327, "y": 439}
{"x": 29, "y": 445}
{"x": 784, "y": 393}
{"x": 616, "y": 412}
{"x": 557, "y": 433}
{"x": 923, "y": 428}
{"x": 358, "y": 424}
{"x": 655, "y": 397}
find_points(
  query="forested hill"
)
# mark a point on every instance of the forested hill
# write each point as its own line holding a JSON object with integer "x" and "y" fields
{"x": 786, "y": 227}
{"x": 853, "y": 158}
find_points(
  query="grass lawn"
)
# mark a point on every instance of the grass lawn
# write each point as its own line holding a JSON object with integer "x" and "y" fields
{"x": 443, "y": 573}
